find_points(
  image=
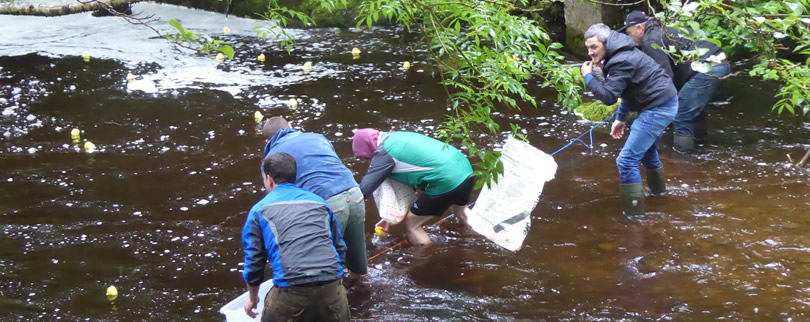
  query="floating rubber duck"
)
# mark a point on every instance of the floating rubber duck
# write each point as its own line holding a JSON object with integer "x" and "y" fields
{"x": 379, "y": 231}
{"x": 260, "y": 58}
{"x": 293, "y": 103}
{"x": 130, "y": 77}
{"x": 356, "y": 51}
{"x": 220, "y": 57}
{"x": 89, "y": 147}
{"x": 226, "y": 30}
{"x": 406, "y": 65}
{"x": 258, "y": 116}
{"x": 76, "y": 135}
{"x": 86, "y": 56}
{"x": 307, "y": 67}
{"x": 112, "y": 293}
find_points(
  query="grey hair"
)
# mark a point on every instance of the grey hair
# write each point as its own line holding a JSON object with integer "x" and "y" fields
{"x": 598, "y": 30}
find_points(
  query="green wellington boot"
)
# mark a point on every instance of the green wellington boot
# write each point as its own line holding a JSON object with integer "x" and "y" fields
{"x": 656, "y": 181}
{"x": 683, "y": 143}
{"x": 632, "y": 195}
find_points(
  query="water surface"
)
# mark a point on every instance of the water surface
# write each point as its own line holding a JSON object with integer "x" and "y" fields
{"x": 158, "y": 210}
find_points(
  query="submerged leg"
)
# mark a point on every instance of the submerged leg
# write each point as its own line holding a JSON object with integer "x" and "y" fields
{"x": 416, "y": 234}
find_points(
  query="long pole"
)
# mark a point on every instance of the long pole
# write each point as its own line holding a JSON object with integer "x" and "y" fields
{"x": 804, "y": 160}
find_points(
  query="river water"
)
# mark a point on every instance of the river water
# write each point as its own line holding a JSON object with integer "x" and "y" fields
{"x": 158, "y": 209}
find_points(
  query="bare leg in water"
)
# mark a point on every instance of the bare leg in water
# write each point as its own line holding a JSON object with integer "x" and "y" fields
{"x": 461, "y": 212}
{"x": 416, "y": 234}
{"x": 413, "y": 225}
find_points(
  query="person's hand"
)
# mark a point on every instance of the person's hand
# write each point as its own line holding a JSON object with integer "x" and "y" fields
{"x": 617, "y": 130}
{"x": 250, "y": 304}
{"x": 385, "y": 225}
{"x": 586, "y": 68}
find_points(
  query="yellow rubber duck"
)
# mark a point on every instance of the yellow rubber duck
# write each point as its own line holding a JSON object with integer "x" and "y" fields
{"x": 406, "y": 65}
{"x": 260, "y": 58}
{"x": 258, "y": 116}
{"x": 379, "y": 231}
{"x": 112, "y": 293}
{"x": 226, "y": 30}
{"x": 307, "y": 67}
{"x": 293, "y": 103}
{"x": 130, "y": 77}
{"x": 89, "y": 147}
{"x": 86, "y": 56}
{"x": 356, "y": 51}
{"x": 76, "y": 135}
{"x": 220, "y": 57}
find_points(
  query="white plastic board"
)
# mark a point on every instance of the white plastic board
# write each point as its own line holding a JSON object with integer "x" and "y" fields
{"x": 234, "y": 311}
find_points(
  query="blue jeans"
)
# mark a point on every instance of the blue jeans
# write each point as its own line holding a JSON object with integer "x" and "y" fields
{"x": 642, "y": 143}
{"x": 695, "y": 95}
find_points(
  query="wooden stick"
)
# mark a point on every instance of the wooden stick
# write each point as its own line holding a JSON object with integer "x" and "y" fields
{"x": 804, "y": 160}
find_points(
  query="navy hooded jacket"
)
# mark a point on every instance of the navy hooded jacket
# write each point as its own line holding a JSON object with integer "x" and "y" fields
{"x": 668, "y": 37}
{"x": 632, "y": 75}
{"x": 319, "y": 169}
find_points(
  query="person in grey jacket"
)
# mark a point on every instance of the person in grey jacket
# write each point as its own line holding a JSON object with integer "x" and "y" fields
{"x": 645, "y": 88}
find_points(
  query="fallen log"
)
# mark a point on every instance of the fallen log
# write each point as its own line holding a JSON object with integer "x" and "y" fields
{"x": 29, "y": 9}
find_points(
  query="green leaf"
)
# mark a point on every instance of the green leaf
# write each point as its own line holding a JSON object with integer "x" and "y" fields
{"x": 226, "y": 50}
{"x": 177, "y": 25}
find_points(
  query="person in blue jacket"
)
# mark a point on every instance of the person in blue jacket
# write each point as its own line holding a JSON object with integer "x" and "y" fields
{"x": 645, "y": 88}
{"x": 298, "y": 234}
{"x": 321, "y": 171}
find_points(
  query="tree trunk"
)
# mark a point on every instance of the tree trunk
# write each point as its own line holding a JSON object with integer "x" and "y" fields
{"x": 22, "y": 9}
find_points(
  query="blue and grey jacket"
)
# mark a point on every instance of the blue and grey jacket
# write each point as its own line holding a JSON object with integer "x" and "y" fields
{"x": 320, "y": 170}
{"x": 632, "y": 75}
{"x": 297, "y": 232}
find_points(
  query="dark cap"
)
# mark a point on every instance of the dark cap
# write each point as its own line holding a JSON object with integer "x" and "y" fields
{"x": 633, "y": 18}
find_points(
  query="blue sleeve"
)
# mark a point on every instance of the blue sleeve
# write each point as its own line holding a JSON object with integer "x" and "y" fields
{"x": 588, "y": 78}
{"x": 382, "y": 164}
{"x": 255, "y": 253}
{"x": 622, "y": 112}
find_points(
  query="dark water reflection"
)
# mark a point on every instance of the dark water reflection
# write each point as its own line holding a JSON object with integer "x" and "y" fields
{"x": 158, "y": 210}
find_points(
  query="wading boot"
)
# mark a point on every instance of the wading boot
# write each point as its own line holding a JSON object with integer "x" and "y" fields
{"x": 632, "y": 195}
{"x": 701, "y": 130}
{"x": 683, "y": 143}
{"x": 656, "y": 181}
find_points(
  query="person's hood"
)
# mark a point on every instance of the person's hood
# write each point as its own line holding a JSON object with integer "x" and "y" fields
{"x": 364, "y": 142}
{"x": 618, "y": 42}
{"x": 281, "y": 133}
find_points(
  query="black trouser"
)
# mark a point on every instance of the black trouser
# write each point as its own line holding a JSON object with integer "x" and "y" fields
{"x": 325, "y": 302}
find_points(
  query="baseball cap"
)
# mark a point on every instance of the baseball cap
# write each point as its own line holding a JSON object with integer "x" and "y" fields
{"x": 633, "y": 18}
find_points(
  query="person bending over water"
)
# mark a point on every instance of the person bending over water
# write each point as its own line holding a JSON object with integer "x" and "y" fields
{"x": 427, "y": 164}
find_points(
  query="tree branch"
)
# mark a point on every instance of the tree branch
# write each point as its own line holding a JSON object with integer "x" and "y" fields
{"x": 25, "y": 9}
